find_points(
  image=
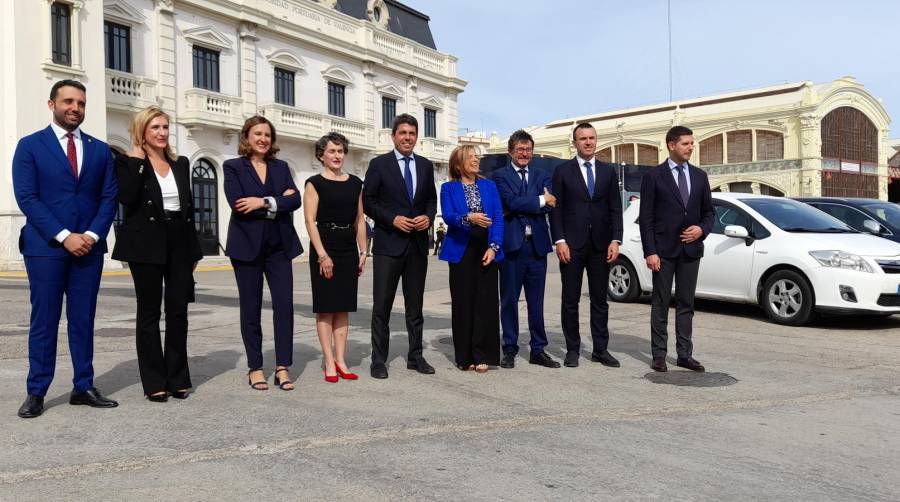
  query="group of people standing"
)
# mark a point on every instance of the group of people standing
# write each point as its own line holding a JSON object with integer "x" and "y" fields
{"x": 497, "y": 239}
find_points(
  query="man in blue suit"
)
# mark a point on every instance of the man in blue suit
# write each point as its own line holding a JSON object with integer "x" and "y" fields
{"x": 66, "y": 187}
{"x": 525, "y": 194}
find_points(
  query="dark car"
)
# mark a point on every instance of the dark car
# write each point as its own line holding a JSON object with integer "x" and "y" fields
{"x": 872, "y": 216}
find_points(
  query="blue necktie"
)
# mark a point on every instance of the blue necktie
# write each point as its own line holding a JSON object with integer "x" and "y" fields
{"x": 407, "y": 176}
{"x": 682, "y": 185}
{"x": 524, "y": 188}
{"x": 590, "y": 179}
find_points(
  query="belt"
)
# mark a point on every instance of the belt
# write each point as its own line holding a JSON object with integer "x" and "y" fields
{"x": 173, "y": 215}
{"x": 334, "y": 226}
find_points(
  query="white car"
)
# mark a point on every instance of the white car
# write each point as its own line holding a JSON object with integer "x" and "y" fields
{"x": 790, "y": 258}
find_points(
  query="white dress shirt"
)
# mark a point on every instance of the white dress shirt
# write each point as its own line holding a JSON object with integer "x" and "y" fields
{"x": 674, "y": 168}
{"x": 79, "y": 154}
{"x": 169, "y": 190}
{"x": 583, "y": 171}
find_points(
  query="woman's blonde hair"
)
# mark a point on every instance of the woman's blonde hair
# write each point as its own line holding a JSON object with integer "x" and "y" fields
{"x": 458, "y": 160}
{"x": 139, "y": 125}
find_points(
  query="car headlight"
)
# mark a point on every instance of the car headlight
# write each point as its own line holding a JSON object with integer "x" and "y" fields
{"x": 841, "y": 259}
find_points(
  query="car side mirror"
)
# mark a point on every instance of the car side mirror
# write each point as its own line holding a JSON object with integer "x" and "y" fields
{"x": 872, "y": 226}
{"x": 736, "y": 231}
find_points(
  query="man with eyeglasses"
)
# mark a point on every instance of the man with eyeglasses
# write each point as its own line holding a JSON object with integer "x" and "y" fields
{"x": 526, "y": 198}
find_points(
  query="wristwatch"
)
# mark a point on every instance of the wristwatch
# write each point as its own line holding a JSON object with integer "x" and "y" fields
{"x": 267, "y": 204}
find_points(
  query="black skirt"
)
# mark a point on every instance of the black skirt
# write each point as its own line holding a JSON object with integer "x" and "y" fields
{"x": 337, "y": 294}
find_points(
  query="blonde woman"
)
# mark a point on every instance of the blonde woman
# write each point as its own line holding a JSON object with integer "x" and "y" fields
{"x": 158, "y": 240}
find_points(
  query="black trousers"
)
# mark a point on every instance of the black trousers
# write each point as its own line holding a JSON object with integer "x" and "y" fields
{"x": 474, "y": 311}
{"x": 594, "y": 261}
{"x": 387, "y": 272}
{"x": 683, "y": 271}
{"x": 164, "y": 368}
{"x": 276, "y": 268}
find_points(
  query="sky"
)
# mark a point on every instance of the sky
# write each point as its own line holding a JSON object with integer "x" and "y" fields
{"x": 529, "y": 62}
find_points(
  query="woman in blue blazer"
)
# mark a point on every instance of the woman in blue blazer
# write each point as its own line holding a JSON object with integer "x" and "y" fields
{"x": 262, "y": 241}
{"x": 473, "y": 246}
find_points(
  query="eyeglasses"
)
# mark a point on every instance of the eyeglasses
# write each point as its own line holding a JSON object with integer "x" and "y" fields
{"x": 522, "y": 150}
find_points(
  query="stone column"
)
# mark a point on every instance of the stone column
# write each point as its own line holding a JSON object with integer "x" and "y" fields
{"x": 247, "y": 55}
{"x": 810, "y": 155}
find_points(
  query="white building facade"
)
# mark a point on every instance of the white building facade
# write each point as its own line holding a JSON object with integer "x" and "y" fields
{"x": 309, "y": 66}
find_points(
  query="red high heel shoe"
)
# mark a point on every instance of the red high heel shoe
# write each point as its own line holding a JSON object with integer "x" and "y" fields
{"x": 330, "y": 378}
{"x": 346, "y": 375}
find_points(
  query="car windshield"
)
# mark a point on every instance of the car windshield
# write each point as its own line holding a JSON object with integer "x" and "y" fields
{"x": 792, "y": 216}
{"x": 886, "y": 212}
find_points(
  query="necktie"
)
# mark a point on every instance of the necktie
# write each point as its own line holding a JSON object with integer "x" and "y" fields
{"x": 682, "y": 185}
{"x": 407, "y": 176}
{"x": 72, "y": 154}
{"x": 590, "y": 179}
{"x": 522, "y": 173}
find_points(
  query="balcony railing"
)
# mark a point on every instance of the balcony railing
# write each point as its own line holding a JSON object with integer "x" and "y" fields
{"x": 129, "y": 92}
{"x": 306, "y": 124}
{"x": 753, "y": 167}
{"x": 211, "y": 108}
{"x": 435, "y": 149}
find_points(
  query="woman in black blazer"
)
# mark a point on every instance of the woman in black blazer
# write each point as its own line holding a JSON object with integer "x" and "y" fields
{"x": 262, "y": 241}
{"x": 158, "y": 240}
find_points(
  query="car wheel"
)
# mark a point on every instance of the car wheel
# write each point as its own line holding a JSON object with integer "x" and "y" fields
{"x": 623, "y": 282}
{"x": 787, "y": 298}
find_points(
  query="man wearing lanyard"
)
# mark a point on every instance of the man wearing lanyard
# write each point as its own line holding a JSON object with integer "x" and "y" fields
{"x": 526, "y": 198}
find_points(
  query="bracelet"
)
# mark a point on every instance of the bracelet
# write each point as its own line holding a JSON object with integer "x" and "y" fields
{"x": 323, "y": 258}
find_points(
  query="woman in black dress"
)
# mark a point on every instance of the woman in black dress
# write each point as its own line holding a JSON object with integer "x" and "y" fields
{"x": 159, "y": 242}
{"x": 337, "y": 236}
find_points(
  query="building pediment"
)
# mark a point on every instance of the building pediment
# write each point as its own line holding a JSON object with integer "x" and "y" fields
{"x": 287, "y": 59}
{"x": 390, "y": 90}
{"x": 338, "y": 74}
{"x": 209, "y": 37}
{"x": 431, "y": 102}
{"x": 121, "y": 12}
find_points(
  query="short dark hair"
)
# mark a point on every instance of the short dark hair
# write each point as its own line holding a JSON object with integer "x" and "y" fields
{"x": 517, "y": 137}
{"x": 676, "y": 133}
{"x": 332, "y": 137}
{"x": 404, "y": 118}
{"x": 244, "y": 147}
{"x": 581, "y": 125}
{"x": 66, "y": 83}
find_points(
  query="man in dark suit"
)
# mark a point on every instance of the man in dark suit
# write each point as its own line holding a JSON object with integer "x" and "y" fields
{"x": 676, "y": 215}
{"x": 525, "y": 194}
{"x": 399, "y": 196}
{"x": 65, "y": 186}
{"x": 587, "y": 231}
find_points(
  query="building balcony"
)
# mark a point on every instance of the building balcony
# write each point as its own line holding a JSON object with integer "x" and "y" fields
{"x": 129, "y": 93}
{"x": 308, "y": 125}
{"x": 206, "y": 108}
{"x": 434, "y": 149}
{"x": 753, "y": 167}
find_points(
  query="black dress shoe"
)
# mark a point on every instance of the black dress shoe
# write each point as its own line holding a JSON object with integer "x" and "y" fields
{"x": 420, "y": 365}
{"x": 32, "y": 407}
{"x": 508, "y": 361}
{"x": 606, "y": 359}
{"x": 180, "y": 394}
{"x": 571, "y": 360}
{"x": 379, "y": 371}
{"x": 92, "y": 398}
{"x": 690, "y": 363}
{"x": 659, "y": 364}
{"x": 543, "y": 359}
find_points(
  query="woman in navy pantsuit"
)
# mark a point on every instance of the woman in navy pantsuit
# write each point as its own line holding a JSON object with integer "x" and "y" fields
{"x": 473, "y": 245}
{"x": 262, "y": 241}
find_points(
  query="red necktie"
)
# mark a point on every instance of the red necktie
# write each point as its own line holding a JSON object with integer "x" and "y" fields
{"x": 71, "y": 154}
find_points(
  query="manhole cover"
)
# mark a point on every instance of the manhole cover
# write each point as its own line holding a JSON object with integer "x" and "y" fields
{"x": 446, "y": 340}
{"x": 114, "y": 332}
{"x": 692, "y": 379}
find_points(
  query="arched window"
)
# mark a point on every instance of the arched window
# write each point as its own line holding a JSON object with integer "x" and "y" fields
{"x": 850, "y": 146}
{"x": 206, "y": 215}
{"x": 647, "y": 155}
{"x": 740, "y": 146}
{"x": 605, "y": 155}
{"x": 711, "y": 151}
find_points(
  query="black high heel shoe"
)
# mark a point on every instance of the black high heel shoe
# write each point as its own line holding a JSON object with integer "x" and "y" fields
{"x": 181, "y": 394}
{"x": 281, "y": 384}
{"x": 158, "y": 398}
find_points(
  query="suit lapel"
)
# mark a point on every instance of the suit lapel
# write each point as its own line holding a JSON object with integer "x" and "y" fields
{"x": 394, "y": 172}
{"x": 154, "y": 189}
{"x": 181, "y": 179}
{"x": 695, "y": 182}
{"x": 87, "y": 156}
{"x": 582, "y": 182}
{"x": 420, "y": 179}
{"x": 669, "y": 181}
{"x": 51, "y": 142}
